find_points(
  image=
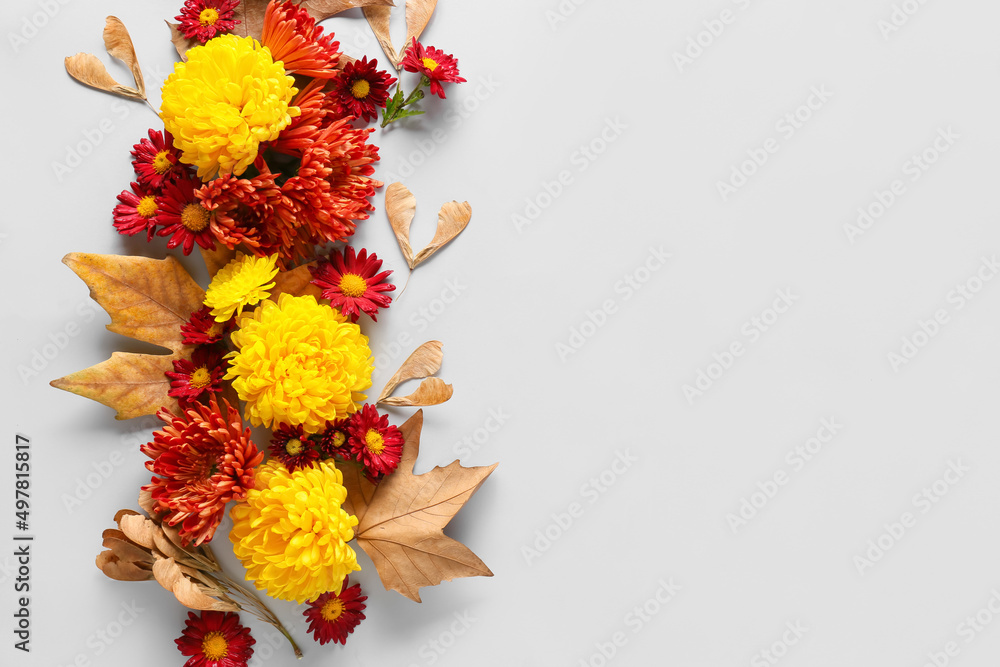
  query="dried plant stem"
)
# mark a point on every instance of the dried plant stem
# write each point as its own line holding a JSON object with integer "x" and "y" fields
{"x": 256, "y": 607}
{"x": 404, "y": 286}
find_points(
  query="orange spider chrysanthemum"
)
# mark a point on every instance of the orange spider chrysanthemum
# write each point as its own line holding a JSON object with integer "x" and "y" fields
{"x": 293, "y": 37}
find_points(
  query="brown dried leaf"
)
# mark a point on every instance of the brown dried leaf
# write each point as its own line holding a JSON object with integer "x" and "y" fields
{"x": 452, "y": 219}
{"x": 138, "y": 528}
{"x": 133, "y": 384}
{"x": 378, "y": 19}
{"x": 119, "y": 45}
{"x": 147, "y": 299}
{"x": 170, "y": 575}
{"x": 250, "y": 14}
{"x": 431, "y": 391}
{"x": 400, "y": 206}
{"x": 324, "y": 9}
{"x": 181, "y": 43}
{"x": 402, "y": 528}
{"x": 216, "y": 259}
{"x": 121, "y": 570}
{"x": 145, "y": 502}
{"x": 125, "y": 551}
{"x": 423, "y": 362}
{"x": 359, "y": 489}
{"x": 88, "y": 70}
{"x": 418, "y": 13}
{"x": 295, "y": 282}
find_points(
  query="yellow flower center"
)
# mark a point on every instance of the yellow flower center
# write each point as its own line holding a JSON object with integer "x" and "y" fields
{"x": 215, "y": 330}
{"x": 208, "y": 17}
{"x": 215, "y": 646}
{"x": 338, "y": 439}
{"x": 353, "y": 285}
{"x": 194, "y": 217}
{"x": 430, "y": 64}
{"x": 332, "y": 609}
{"x": 360, "y": 89}
{"x": 374, "y": 442}
{"x": 147, "y": 207}
{"x": 201, "y": 378}
{"x": 293, "y": 447}
{"x": 162, "y": 163}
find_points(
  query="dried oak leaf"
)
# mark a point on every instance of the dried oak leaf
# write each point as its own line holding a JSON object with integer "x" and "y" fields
{"x": 401, "y": 529}
{"x": 400, "y": 207}
{"x": 418, "y": 13}
{"x": 422, "y": 363}
{"x": 147, "y": 300}
{"x": 88, "y": 70}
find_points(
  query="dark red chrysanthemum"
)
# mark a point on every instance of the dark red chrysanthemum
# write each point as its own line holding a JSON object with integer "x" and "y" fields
{"x": 438, "y": 66}
{"x": 202, "y": 329}
{"x": 156, "y": 160}
{"x": 362, "y": 90}
{"x": 137, "y": 212}
{"x": 332, "y": 440}
{"x": 291, "y": 35}
{"x": 374, "y": 442}
{"x": 204, "y": 19}
{"x": 203, "y": 373}
{"x": 215, "y": 639}
{"x": 332, "y": 617}
{"x": 183, "y": 218}
{"x": 202, "y": 459}
{"x": 353, "y": 283}
{"x": 293, "y": 448}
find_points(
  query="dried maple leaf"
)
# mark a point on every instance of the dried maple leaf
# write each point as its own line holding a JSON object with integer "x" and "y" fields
{"x": 324, "y": 9}
{"x": 147, "y": 300}
{"x": 418, "y": 13}
{"x": 88, "y": 70}
{"x": 216, "y": 259}
{"x": 181, "y": 43}
{"x": 401, "y": 528}
{"x": 422, "y": 363}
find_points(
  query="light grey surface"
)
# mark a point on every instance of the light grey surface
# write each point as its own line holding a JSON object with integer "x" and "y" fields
{"x": 540, "y": 89}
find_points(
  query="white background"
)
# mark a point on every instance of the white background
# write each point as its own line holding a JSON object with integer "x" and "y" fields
{"x": 545, "y": 82}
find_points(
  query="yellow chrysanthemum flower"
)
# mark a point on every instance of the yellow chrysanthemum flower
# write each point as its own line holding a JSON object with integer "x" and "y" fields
{"x": 299, "y": 362}
{"x": 244, "y": 281}
{"x": 228, "y": 97}
{"x": 291, "y": 533}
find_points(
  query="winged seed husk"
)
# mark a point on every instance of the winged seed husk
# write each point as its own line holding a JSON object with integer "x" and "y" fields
{"x": 400, "y": 206}
{"x": 422, "y": 362}
{"x": 378, "y": 19}
{"x": 418, "y": 13}
{"x": 452, "y": 219}
{"x": 119, "y": 45}
{"x": 88, "y": 70}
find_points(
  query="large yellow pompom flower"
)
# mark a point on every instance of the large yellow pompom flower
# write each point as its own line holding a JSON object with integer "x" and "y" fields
{"x": 291, "y": 533}
{"x": 228, "y": 97}
{"x": 244, "y": 281}
{"x": 299, "y": 362}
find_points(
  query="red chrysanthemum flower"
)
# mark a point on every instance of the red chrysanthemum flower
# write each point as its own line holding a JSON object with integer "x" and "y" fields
{"x": 202, "y": 329}
{"x": 156, "y": 160}
{"x": 202, "y": 459}
{"x": 353, "y": 284}
{"x": 293, "y": 448}
{"x": 332, "y": 440}
{"x": 374, "y": 442}
{"x": 215, "y": 639}
{"x": 439, "y": 67}
{"x": 203, "y": 373}
{"x": 292, "y": 36}
{"x": 332, "y": 617}
{"x": 137, "y": 212}
{"x": 183, "y": 217}
{"x": 204, "y": 19}
{"x": 362, "y": 90}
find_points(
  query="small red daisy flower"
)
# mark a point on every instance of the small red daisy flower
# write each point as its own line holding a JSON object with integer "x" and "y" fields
{"x": 333, "y": 439}
{"x": 202, "y": 329}
{"x": 293, "y": 448}
{"x": 362, "y": 90}
{"x": 353, "y": 284}
{"x": 204, "y": 19}
{"x": 156, "y": 160}
{"x": 203, "y": 373}
{"x": 215, "y": 639}
{"x": 137, "y": 212}
{"x": 332, "y": 617}
{"x": 439, "y": 67}
{"x": 183, "y": 217}
{"x": 374, "y": 442}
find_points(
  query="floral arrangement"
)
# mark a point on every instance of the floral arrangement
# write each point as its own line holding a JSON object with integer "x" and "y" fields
{"x": 265, "y": 164}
